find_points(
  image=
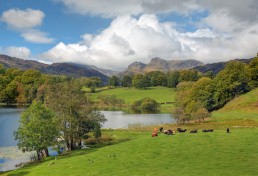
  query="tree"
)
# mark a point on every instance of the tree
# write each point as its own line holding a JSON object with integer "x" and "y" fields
{"x": 157, "y": 78}
{"x": 254, "y": 72}
{"x": 37, "y": 130}
{"x": 203, "y": 91}
{"x": 114, "y": 81}
{"x": 173, "y": 78}
{"x": 233, "y": 80}
{"x": 188, "y": 75}
{"x": 141, "y": 81}
{"x": 145, "y": 104}
{"x": 127, "y": 81}
{"x": 74, "y": 112}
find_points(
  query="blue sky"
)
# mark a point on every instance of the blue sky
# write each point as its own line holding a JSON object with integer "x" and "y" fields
{"x": 112, "y": 34}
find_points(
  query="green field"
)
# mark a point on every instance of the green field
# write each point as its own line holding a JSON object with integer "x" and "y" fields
{"x": 130, "y": 95}
{"x": 135, "y": 152}
{"x": 241, "y": 108}
{"x": 160, "y": 94}
{"x": 216, "y": 153}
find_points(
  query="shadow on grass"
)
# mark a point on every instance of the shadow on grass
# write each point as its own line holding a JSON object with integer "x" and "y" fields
{"x": 19, "y": 174}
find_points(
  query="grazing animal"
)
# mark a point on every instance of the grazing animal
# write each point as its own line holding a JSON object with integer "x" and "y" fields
{"x": 181, "y": 130}
{"x": 154, "y": 134}
{"x": 160, "y": 129}
{"x": 210, "y": 130}
{"x": 204, "y": 131}
{"x": 168, "y": 132}
{"x": 193, "y": 131}
{"x": 227, "y": 130}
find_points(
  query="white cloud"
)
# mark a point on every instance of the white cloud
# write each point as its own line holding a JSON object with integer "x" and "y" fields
{"x": 20, "y": 52}
{"x": 114, "y": 8}
{"x": 25, "y": 22}
{"x": 36, "y": 36}
{"x": 130, "y": 39}
{"x": 22, "y": 19}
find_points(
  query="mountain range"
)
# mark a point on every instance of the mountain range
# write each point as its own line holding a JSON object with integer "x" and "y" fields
{"x": 158, "y": 64}
{"x": 79, "y": 70}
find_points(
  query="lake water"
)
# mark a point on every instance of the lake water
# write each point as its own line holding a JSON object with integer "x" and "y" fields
{"x": 9, "y": 122}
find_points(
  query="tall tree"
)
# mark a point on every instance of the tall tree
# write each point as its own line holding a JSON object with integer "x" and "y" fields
{"x": 126, "y": 81}
{"x": 114, "y": 81}
{"x": 37, "y": 130}
{"x": 75, "y": 113}
{"x": 233, "y": 80}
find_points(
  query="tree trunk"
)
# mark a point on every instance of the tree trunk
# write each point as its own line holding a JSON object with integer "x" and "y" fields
{"x": 46, "y": 152}
{"x": 38, "y": 155}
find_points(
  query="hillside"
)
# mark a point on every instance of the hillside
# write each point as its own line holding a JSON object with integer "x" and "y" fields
{"x": 244, "y": 107}
{"x": 68, "y": 69}
{"x": 217, "y": 67}
{"x": 137, "y": 153}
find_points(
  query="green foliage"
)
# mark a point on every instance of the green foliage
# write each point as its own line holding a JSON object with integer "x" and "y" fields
{"x": 141, "y": 81}
{"x": 188, "y": 75}
{"x": 97, "y": 131}
{"x": 203, "y": 91}
{"x": 2, "y": 69}
{"x": 75, "y": 113}
{"x": 114, "y": 81}
{"x": 127, "y": 81}
{"x": 157, "y": 78}
{"x": 37, "y": 130}
{"x": 254, "y": 72}
{"x": 230, "y": 82}
{"x": 111, "y": 100}
{"x": 173, "y": 78}
{"x": 145, "y": 104}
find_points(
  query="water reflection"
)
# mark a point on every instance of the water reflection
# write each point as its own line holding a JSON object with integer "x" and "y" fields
{"x": 9, "y": 122}
{"x": 120, "y": 119}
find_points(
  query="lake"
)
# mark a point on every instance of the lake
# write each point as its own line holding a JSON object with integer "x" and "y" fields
{"x": 9, "y": 122}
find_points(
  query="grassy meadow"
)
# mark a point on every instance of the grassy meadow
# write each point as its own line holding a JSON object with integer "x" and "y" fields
{"x": 130, "y": 95}
{"x": 135, "y": 152}
{"x": 216, "y": 153}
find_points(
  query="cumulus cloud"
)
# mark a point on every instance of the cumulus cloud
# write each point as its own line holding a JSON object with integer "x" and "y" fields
{"x": 25, "y": 21}
{"x": 130, "y": 39}
{"x": 22, "y": 19}
{"x": 36, "y": 36}
{"x": 20, "y": 52}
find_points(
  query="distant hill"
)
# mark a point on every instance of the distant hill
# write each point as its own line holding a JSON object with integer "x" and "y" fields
{"x": 158, "y": 64}
{"x": 68, "y": 69}
{"x": 217, "y": 67}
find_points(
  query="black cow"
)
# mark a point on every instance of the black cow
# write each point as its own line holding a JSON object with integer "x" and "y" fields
{"x": 204, "y": 131}
{"x": 193, "y": 131}
{"x": 227, "y": 130}
{"x": 181, "y": 130}
{"x": 210, "y": 130}
{"x": 160, "y": 129}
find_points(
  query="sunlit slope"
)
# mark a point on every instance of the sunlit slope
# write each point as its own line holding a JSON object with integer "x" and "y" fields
{"x": 242, "y": 107}
{"x": 129, "y": 95}
{"x": 216, "y": 153}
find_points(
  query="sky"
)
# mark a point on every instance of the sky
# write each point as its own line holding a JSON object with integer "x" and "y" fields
{"x": 112, "y": 34}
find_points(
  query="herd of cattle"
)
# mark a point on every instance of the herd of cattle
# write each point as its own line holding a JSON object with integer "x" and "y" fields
{"x": 170, "y": 132}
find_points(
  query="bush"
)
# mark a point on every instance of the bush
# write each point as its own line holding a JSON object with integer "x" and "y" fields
{"x": 145, "y": 104}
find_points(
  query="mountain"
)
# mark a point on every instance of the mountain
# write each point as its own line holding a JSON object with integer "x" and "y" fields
{"x": 217, "y": 67}
{"x": 158, "y": 64}
{"x": 68, "y": 69}
{"x": 107, "y": 72}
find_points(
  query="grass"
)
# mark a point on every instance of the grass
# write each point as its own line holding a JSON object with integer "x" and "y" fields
{"x": 135, "y": 152}
{"x": 241, "y": 108}
{"x": 130, "y": 95}
{"x": 216, "y": 153}
{"x": 160, "y": 94}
